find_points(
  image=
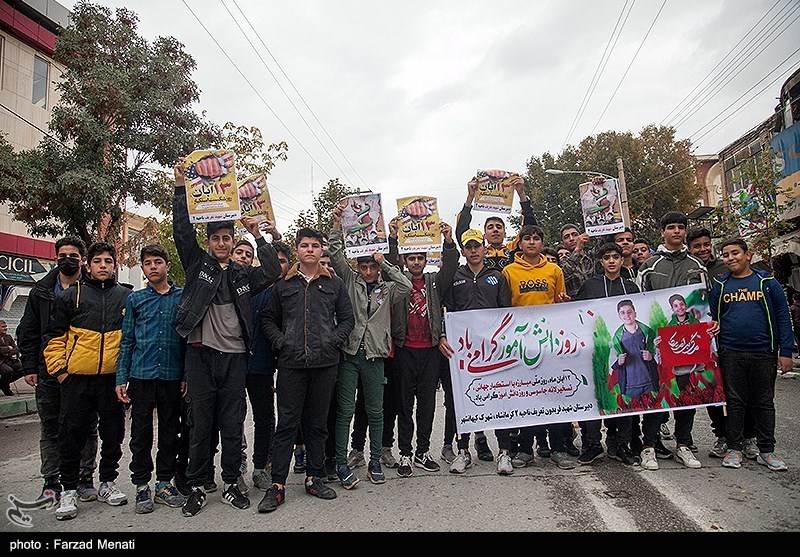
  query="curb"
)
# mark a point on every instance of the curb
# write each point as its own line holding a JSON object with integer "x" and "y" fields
{"x": 19, "y": 406}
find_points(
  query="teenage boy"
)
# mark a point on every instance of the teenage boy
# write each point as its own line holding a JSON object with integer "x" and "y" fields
{"x": 215, "y": 316}
{"x": 641, "y": 250}
{"x": 630, "y": 266}
{"x": 672, "y": 266}
{"x": 699, "y": 242}
{"x": 748, "y": 355}
{"x": 368, "y": 345}
{"x": 578, "y": 266}
{"x": 416, "y": 329}
{"x": 260, "y": 380}
{"x": 533, "y": 280}
{"x": 610, "y": 283}
{"x": 307, "y": 321}
{"x": 150, "y": 375}
{"x": 70, "y": 260}
{"x": 81, "y": 349}
{"x": 475, "y": 286}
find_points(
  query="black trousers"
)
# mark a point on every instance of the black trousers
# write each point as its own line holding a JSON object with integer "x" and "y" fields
{"x": 750, "y": 383}
{"x": 262, "y": 401}
{"x": 449, "y": 408}
{"x": 684, "y": 421}
{"x": 557, "y": 433}
{"x": 85, "y": 398}
{"x": 416, "y": 374}
{"x": 165, "y": 397}
{"x": 215, "y": 389}
{"x": 304, "y": 397}
{"x": 590, "y": 433}
{"x": 10, "y": 371}
{"x": 358, "y": 437}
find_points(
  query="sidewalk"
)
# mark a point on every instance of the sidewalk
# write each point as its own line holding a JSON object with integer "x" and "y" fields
{"x": 22, "y": 402}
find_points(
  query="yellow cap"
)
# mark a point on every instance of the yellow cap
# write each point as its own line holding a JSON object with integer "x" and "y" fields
{"x": 472, "y": 234}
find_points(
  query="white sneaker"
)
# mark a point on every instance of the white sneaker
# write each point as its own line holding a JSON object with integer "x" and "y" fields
{"x": 110, "y": 493}
{"x": 685, "y": 456}
{"x": 504, "y": 466}
{"x": 68, "y": 507}
{"x": 649, "y": 461}
{"x": 461, "y": 462}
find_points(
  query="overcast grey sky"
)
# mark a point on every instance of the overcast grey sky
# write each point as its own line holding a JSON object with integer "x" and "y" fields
{"x": 420, "y": 94}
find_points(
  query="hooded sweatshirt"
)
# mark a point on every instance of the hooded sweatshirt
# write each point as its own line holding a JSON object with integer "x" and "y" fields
{"x": 667, "y": 269}
{"x": 532, "y": 285}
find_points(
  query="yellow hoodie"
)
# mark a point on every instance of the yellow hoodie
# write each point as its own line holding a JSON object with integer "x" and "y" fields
{"x": 532, "y": 285}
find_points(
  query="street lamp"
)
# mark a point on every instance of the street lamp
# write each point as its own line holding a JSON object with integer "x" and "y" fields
{"x": 623, "y": 192}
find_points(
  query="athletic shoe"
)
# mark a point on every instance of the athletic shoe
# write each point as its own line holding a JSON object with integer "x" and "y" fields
{"x": 543, "y": 451}
{"x": 685, "y": 456}
{"x": 209, "y": 486}
{"x": 51, "y": 492}
{"x": 648, "y": 459}
{"x": 590, "y": 454}
{"x": 355, "y": 459}
{"x": 299, "y": 461}
{"x": 447, "y": 454}
{"x": 571, "y": 449}
{"x": 405, "y": 469}
{"x": 242, "y": 485}
{"x": 425, "y": 462}
{"x": 182, "y": 485}
{"x": 68, "y": 507}
{"x": 521, "y": 460}
{"x": 733, "y": 459}
{"x": 562, "y": 460}
{"x": 461, "y": 462}
{"x": 144, "y": 502}
{"x": 274, "y": 497}
{"x": 665, "y": 433}
{"x": 261, "y": 479}
{"x": 504, "y": 466}
{"x": 693, "y": 448}
{"x": 110, "y": 493}
{"x": 662, "y": 451}
{"x": 771, "y": 461}
{"x": 625, "y": 456}
{"x": 234, "y": 497}
{"x": 375, "y": 472}
{"x": 167, "y": 494}
{"x": 720, "y": 448}
{"x": 86, "y": 490}
{"x": 751, "y": 448}
{"x": 195, "y": 502}
{"x": 611, "y": 448}
{"x": 483, "y": 450}
{"x": 330, "y": 470}
{"x": 346, "y": 476}
{"x": 387, "y": 458}
{"x": 319, "y": 489}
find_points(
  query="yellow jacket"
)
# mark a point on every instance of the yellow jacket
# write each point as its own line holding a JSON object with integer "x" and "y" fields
{"x": 532, "y": 285}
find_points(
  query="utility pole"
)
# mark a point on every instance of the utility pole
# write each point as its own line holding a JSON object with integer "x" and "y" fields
{"x": 623, "y": 194}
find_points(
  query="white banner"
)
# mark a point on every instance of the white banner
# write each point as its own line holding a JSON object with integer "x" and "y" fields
{"x": 514, "y": 367}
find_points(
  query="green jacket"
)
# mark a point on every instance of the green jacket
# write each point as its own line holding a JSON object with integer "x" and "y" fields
{"x": 374, "y": 328}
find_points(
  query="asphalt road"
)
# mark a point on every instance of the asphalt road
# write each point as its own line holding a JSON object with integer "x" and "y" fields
{"x": 603, "y": 497}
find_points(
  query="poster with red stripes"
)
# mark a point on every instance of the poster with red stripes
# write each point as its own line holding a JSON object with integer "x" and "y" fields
{"x": 211, "y": 190}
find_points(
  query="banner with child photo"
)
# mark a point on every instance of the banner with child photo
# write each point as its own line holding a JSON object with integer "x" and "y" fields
{"x": 583, "y": 360}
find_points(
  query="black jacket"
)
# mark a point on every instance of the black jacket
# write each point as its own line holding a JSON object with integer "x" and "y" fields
{"x": 601, "y": 287}
{"x": 204, "y": 274}
{"x": 487, "y": 289}
{"x": 32, "y": 327}
{"x": 308, "y": 323}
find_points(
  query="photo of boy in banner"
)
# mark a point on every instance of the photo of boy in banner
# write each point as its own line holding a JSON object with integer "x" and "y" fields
{"x": 635, "y": 366}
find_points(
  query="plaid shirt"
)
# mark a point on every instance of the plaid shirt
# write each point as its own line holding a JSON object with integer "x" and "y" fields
{"x": 150, "y": 347}
{"x": 578, "y": 268}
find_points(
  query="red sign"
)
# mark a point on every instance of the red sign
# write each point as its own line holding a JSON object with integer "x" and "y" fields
{"x": 683, "y": 345}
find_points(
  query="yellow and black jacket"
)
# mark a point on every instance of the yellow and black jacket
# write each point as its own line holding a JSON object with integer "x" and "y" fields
{"x": 86, "y": 328}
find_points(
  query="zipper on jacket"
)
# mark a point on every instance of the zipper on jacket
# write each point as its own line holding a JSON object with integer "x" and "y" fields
{"x": 102, "y": 326}
{"x": 74, "y": 344}
{"x": 305, "y": 321}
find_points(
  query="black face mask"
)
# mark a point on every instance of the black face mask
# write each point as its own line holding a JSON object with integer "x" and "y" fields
{"x": 68, "y": 266}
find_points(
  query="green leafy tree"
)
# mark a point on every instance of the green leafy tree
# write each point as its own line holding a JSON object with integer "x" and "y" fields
{"x": 649, "y": 157}
{"x": 125, "y": 105}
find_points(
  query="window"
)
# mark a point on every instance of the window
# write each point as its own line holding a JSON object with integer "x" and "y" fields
{"x": 41, "y": 69}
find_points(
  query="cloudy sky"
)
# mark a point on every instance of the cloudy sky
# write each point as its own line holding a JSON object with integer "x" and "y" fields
{"x": 417, "y": 95}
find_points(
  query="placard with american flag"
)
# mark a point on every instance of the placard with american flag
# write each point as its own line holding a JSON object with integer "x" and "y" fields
{"x": 211, "y": 192}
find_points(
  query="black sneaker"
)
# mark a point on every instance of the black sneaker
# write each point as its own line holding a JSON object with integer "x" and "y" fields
{"x": 299, "y": 461}
{"x": 484, "y": 452}
{"x": 425, "y": 462}
{"x": 405, "y": 470}
{"x": 571, "y": 449}
{"x": 272, "y": 498}
{"x": 50, "y": 495}
{"x": 318, "y": 489}
{"x": 182, "y": 485}
{"x": 233, "y": 496}
{"x": 591, "y": 454}
{"x": 330, "y": 470}
{"x": 626, "y": 456}
{"x": 662, "y": 451}
{"x": 210, "y": 486}
{"x": 543, "y": 451}
{"x": 195, "y": 502}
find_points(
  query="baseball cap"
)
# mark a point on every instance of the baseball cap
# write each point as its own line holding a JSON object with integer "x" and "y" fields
{"x": 472, "y": 234}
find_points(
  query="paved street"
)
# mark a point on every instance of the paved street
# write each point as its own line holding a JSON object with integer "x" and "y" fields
{"x": 541, "y": 498}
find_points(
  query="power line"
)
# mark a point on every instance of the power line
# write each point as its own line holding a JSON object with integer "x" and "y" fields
{"x": 601, "y": 65}
{"x": 643, "y": 190}
{"x": 254, "y": 89}
{"x": 285, "y": 93}
{"x": 731, "y": 77}
{"x": 619, "y": 84}
{"x": 665, "y": 119}
{"x": 33, "y": 125}
{"x": 258, "y": 36}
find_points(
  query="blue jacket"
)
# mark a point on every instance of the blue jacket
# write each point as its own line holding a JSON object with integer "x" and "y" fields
{"x": 776, "y": 312}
